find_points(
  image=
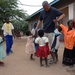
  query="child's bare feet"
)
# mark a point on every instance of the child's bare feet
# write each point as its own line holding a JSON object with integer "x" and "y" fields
{"x": 47, "y": 66}
{"x": 51, "y": 62}
{"x": 56, "y": 61}
{"x": 71, "y": 66}
{"x": 1, "y": 63}
{"x": 41, "y": 65}
{"x": 32, "y": 59}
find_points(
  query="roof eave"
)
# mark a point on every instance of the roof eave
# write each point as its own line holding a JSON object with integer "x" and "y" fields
{"x": 52, "y": 3}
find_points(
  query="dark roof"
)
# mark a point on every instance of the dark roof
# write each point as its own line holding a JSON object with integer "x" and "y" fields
{"x": 35, "y": 13}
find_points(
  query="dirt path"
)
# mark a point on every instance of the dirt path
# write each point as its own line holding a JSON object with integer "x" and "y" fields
{"x": 18, "y": 63}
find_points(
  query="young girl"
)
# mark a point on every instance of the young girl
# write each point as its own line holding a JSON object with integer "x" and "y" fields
{"x": 69, "y": 38}
{"x": 55, "y": 45}
{"x": 2, "y": 52}
{"x": 30, "y": 45}
{"x": 43, "y": 49}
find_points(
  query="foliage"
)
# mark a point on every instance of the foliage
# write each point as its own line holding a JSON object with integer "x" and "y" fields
{"x": 9, "y": 8}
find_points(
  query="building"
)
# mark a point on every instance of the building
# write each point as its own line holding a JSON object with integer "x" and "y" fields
{"x": 66, "y": 6}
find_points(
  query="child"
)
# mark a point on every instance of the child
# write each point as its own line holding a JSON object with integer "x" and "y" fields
{"x": 55, "y": 45}
{"x": 30, "y": 45}
{"x": 43, "y": 49}
{"x": 34, "y": 32}
{"x": 8, "y": 31}
{"x": 69, "y": 38}
{"x": 2, "y": 52}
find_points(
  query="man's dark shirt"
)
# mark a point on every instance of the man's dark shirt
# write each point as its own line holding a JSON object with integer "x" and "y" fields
{"x": 48, "y": 17}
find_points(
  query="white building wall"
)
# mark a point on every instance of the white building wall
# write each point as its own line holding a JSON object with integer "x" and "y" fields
{"x": 74, "y": 9}
{"x": 71, "y": 11}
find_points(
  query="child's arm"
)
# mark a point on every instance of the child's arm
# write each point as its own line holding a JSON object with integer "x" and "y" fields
{"x": 47, "y": 43}
{"x": 1, "y": 42}
{"x": 59, "y": 29}
{"x": 35, "y": 34}
{"x": 58, "y": 26}
{"x": 37, "y": 41}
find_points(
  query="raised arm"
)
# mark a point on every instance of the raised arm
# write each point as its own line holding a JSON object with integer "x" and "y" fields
{"x": 39, "y": 22}
{"x": 58, "y": 26}
{"x": 59, "y": 29}
{"x": 61, "y": 17}
{"x": 58, "y": 14}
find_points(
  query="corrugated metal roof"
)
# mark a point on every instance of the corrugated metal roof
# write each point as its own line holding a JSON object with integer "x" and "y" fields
{"x": 52, "y": 3}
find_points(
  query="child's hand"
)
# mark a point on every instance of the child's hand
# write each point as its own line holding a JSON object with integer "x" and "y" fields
{"x": 1, "y": 42}
{"x": 36, "y": 28}
{"x": 14, "y": 36}
{"x": 54, "y": 20}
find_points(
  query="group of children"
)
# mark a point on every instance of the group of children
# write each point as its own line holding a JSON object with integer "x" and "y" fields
{"x": 44, "y": 50}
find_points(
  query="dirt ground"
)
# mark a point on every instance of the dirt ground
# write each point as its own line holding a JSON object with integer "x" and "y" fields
{"x": 19, "y": 63}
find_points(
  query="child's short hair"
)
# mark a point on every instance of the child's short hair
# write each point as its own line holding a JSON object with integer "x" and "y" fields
{"x": 41, "y": 33}
{"x": 70, "y": 21}
{"x": 35, "y": 24}
{"x": 28, "y": 33}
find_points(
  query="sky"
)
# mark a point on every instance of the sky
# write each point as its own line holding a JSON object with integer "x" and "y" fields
{"x": 30, "y": 10}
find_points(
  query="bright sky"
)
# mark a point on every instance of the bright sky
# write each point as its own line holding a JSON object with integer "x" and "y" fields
{"x": 30, "y": 10}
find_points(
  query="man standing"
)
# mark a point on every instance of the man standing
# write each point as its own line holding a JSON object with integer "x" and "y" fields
{"x": 8, "y": 31}
{"x": 48, "y": 16}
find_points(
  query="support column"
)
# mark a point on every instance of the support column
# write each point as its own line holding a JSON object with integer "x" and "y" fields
{"x": 71, "y": 11}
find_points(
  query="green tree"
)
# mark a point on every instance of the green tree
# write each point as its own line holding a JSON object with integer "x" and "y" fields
{"x": 20, "y": 25}
{"x": 9, "y": 8}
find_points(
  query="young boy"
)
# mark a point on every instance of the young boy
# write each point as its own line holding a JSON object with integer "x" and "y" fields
{"x": 55, "y": 45}
{"x": 8, "y": 32}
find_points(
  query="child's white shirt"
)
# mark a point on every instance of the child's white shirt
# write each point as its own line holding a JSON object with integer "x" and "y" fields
{"x": 33, "y": 31}
{"x": 41, "y": 41}
{"x": 56, "y": 32}
{"x": 5, "y": 30}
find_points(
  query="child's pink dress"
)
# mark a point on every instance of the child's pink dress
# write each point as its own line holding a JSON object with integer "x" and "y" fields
{"x": 29, "y": 49}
